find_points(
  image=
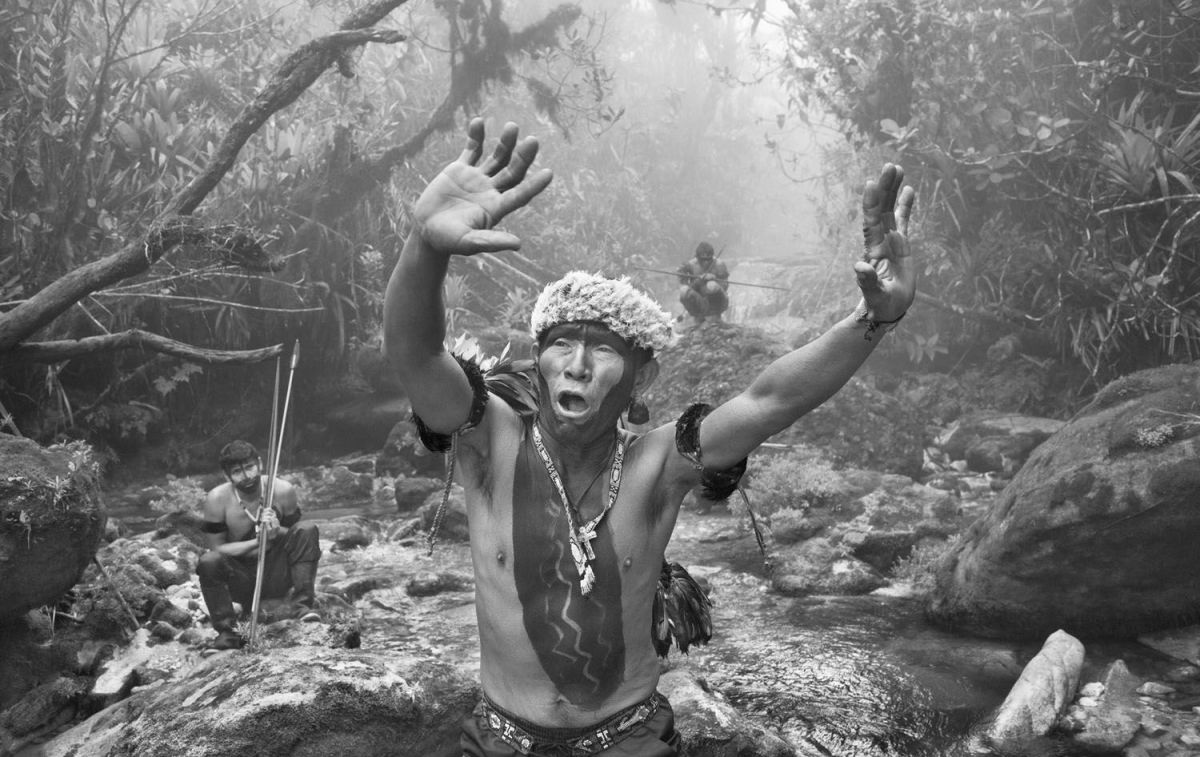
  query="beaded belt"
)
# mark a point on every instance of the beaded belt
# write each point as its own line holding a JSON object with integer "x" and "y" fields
{"x": 528, "y": 739}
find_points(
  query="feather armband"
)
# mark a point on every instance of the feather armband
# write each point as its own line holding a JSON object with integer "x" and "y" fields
{"x": 715, "y": 485}
{"x": 435, "y": 442}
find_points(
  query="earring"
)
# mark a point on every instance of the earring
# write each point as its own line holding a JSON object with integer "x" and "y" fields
{"x": 638, "y": 412}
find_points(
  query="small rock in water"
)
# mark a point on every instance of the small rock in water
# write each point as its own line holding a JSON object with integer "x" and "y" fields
{"x": 1155, "y": 689}
{"x": 345, "y": 635}
{"x": 195, "y": 637}
{"x": 427, "y": 584}
{"x": 1152, "y": 726}
{"x": 1093, "y": 689}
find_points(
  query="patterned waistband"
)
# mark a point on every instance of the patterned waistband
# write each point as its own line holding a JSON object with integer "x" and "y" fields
{"x": 527, "y": 738}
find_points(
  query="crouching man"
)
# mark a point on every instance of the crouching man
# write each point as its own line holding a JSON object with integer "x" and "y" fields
{"x": 227, "y": 571}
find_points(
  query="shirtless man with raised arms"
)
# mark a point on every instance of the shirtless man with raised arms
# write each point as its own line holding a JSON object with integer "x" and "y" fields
{"x": 569, "y": 514}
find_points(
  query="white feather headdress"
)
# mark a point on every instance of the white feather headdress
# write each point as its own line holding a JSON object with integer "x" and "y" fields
{"x": 627, "y": 311}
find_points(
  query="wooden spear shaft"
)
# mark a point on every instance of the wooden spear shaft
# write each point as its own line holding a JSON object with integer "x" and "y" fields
{"x": 274, "y": 451}
{"x": 693, "y": 276}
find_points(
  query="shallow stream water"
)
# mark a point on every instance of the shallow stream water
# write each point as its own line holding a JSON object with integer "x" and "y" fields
{"x": 847, "y": 676}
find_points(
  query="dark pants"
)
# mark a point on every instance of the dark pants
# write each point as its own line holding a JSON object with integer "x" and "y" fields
{"x": 225, "y": 580}
{"x": 656, "y": 737}
{"x": 700, "y": 305}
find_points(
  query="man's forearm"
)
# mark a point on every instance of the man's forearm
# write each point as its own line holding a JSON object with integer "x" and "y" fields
{"x": 809, "y": 375}
{"x": 414, "y": 321}
{"x": 414, "y": 332}
{"x": 239, "y": 548}
{"x": 787, "y": 389}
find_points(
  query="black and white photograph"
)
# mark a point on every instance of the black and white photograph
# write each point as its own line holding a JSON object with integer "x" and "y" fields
{"x": 613, "y": 378}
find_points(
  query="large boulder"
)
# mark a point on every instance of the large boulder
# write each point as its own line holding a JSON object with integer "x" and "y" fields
{"x": 305, "y": 701}
{"x": 1096, "y": 533}
{"x": 51, "y": 521}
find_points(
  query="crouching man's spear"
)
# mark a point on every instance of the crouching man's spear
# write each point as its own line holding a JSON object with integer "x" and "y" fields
{"x": 694, "y": 276}
{"x": 274, "y": 451}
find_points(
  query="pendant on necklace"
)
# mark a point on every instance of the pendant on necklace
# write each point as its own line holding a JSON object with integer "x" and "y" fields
{"x": 582, "y": 553}
{"x": 581, "y": 536}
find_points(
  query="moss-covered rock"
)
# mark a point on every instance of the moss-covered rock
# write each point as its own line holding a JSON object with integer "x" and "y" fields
{"x": 51, "y": 521}
{"x": 1096, "y": 532}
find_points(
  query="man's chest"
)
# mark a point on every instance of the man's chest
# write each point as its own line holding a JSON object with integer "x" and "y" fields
{"x": 238, "y": 517}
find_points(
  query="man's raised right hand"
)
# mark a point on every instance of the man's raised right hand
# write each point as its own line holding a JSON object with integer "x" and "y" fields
{"x": 456, "y": 213}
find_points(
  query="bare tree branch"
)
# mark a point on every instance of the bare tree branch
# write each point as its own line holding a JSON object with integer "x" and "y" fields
{"x": 65, "y": 349}
{"x": 293, "y": 77}
{"x": 342, "y": 191}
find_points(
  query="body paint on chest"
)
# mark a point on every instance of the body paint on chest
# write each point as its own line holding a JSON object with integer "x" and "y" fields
{"x": 579, "y": 640}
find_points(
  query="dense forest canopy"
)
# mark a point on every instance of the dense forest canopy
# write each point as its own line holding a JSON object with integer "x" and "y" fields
{"x": 194, "y": 183}
{"x": 1058, "y": 145}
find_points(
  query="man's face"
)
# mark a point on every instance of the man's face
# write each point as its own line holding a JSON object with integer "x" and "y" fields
{"x": 244, "y": 475}
{"x": 588, "y": 375}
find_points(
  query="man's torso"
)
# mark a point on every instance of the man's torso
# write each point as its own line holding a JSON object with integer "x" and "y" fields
{"x": 239, "y": 510}
{"x": 697, "y": 268}
{"x": 548, "y": 653}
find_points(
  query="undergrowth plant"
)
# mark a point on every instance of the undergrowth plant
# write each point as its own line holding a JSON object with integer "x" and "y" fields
{"x": 919, "y": 568}
{"x": 796, "y": 480}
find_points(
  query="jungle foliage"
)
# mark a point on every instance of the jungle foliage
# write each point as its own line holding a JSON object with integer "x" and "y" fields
{"x": 113, "y": 111}
{"x": 1055, "y": 145}
{"x": 113, "y": 108}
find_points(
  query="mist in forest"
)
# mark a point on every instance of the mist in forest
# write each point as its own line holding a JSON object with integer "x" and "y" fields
{"x": 146, "y": 141}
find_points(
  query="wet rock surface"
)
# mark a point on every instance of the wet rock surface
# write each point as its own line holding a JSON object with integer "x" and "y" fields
{"x": 823, "y": 649}
{"x": 1095, "y": 533}
{"x": 51, "y": 520}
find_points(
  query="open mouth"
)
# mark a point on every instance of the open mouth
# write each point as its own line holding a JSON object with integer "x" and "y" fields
{"x": 572, "y": 403}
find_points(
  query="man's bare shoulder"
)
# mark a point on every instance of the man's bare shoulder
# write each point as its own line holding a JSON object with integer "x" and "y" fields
{"x": 500, "y": 423}
{"x": 217, "y": 499}
{"x": 657, "y": 447}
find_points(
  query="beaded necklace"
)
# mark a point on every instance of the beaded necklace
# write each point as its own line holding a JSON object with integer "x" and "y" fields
{"x": 581, "y": 535}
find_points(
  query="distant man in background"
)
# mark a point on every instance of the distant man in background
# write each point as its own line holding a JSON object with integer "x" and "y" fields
{"x": 228, "y": 570}
{"x": 703, "y": 281}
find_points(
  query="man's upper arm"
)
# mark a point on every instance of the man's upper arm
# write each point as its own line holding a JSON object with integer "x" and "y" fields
{"x": 439, "y": 392}
{"x": 214, "y": 513}
{"x": 722, "y": 273}
{"x": 735, "y": 429}
{"x": 286, "y": 500}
